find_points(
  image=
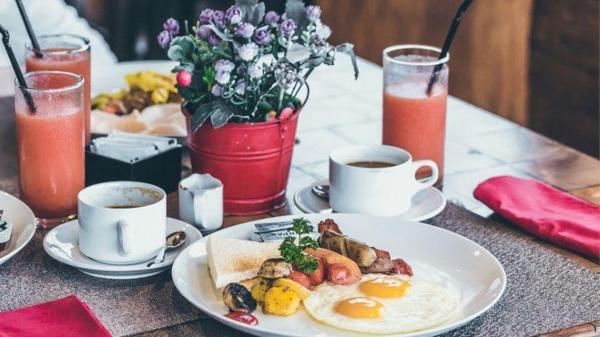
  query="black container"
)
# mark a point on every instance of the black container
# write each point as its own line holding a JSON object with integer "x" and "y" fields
{"x": 162, "y": 170}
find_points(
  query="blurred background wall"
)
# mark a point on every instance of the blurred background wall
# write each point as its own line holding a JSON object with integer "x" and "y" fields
{"x": 532, "y": 61}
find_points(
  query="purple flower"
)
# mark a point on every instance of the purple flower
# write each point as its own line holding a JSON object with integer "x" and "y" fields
{"x": 224, "y": 66}
{"x": 262, "y": 36}
{"x": 203, "y": 32}
{"x": 245, "y": 30}
{"x": 271, "y": 18}
{"x": 218, "y": 18}
{"x": 205, "y": 16}
{"x": 171, "y": 26}
{"x": 216, "y": 90}
{"x": 287, "y": 27}
{"x": 240, "y": 87}
{"x": 248, "y": 51}
{"x": 233, "y": 15}
{"x": 313, "y": 13}
{"x": 255, "y": 70}
{"x": 164, "y": 39}
{"x": 213, "y": 39}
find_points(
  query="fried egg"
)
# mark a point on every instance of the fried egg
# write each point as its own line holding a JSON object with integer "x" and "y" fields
{"x": 383, "y": 304}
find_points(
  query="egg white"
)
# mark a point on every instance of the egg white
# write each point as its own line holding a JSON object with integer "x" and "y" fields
{"x": 423, "y": 306}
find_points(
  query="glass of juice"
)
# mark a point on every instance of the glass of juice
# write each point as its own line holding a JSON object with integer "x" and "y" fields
{"x": 50, "y": 144}
{"x": 65, "y": 52}
{"x": 413, "y": 117}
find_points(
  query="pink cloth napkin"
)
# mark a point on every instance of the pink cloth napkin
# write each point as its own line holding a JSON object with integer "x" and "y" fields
{"x": 545, "y": 212}
{"x": 66, "y": 317}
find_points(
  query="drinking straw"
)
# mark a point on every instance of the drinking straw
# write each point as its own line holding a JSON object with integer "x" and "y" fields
{"x": 34, "y": 42}
{"x": 16, "y": 68}
{"x": 447, "y": 42}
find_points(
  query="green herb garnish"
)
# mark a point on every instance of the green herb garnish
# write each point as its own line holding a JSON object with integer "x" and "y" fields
{"x": 292, "y": 248}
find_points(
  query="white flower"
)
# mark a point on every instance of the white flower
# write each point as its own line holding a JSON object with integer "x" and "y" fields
{"x": 323, "y": 31}
{"x": 255, "y": 70}
{"x": 222, "y": 77}
{"x": 248, "y": 51}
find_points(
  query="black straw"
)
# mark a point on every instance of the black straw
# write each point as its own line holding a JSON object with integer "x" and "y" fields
{"x": 16, "y": 68}
{"x": 447, "y": 42}
{"x": 34, "y": 42}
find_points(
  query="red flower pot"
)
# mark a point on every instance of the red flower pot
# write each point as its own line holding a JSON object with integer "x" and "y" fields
{"x": 252, "y": 160}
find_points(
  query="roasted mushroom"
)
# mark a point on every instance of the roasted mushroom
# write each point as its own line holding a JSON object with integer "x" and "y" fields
{"x": 275, "y": 268}
{"x": 237, "y": 298}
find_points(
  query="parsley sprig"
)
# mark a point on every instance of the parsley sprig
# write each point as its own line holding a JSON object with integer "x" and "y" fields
{"x": 292, "y": 248}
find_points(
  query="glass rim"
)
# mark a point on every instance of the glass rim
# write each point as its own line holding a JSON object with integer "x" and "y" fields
{"x": 390, "y": 49}
{"x": 78, "y": 84}
{"x": 84, "y": 46}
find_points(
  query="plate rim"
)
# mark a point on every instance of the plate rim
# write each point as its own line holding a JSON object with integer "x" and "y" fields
{"x": 109, "y": 268}
{"x": 257, "y": 331}
{"x": 32, "y": 224}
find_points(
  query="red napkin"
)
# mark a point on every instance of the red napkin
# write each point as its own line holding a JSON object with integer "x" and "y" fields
{"x": 545, "y": 212}
{"x": 66, "y": 317}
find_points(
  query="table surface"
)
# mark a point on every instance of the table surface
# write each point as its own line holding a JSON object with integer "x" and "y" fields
{"x": 343, "y": 112}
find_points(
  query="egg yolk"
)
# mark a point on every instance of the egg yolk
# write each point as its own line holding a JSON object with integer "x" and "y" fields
{"x": 386, "y": 287}
{"x": 359, "y": 307}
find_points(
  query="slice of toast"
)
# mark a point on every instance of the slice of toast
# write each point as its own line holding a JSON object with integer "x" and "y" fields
{"x": 234, "y": 260}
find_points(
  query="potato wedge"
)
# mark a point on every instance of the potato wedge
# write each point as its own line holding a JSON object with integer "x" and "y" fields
{"x": 259, "y": 289}
{"x": 281, "y": 301}
{"x": 292, "y": 285}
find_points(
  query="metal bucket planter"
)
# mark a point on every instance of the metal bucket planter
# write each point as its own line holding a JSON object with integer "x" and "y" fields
{"x": 252, "y": 160}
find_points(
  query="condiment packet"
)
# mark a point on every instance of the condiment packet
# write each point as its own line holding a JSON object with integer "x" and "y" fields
{"x": 275, "y": 231}
{"x": 131, "y": 147}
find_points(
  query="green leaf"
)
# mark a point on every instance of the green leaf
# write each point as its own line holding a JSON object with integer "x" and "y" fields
{"x": 221, "y": 115}
{"x": 182, "y": 48}
{"x": 253, "y": 10}
{"x": 202, "y": 113}
{"x": 348, "y": 49}
{"x": 223, "y": 35}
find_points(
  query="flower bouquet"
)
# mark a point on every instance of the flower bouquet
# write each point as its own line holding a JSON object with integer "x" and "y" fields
{"x": 242, "y": 72}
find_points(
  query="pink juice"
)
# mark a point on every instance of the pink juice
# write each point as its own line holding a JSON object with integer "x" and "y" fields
{"x": 414, "y": 121}
{"x": 50, "y": 145}
{"x": 71, "y": 60}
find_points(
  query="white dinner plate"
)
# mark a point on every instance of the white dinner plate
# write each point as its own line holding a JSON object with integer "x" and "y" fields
{"x": 62, "y": 244}
{"x": 426, "y": 204}
{"x": 435, "y": 254}
{"x": 24, "y": 223}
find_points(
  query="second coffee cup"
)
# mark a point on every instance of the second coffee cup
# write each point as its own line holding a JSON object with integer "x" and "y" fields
{"x": 122, "y": 222}
{"x": 375, "y": 179}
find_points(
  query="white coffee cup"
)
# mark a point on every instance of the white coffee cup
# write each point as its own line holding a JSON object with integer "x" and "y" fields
{"x": 384, "y": 191}
{"x": 201, "y": 201}
{"x": 122, "y": 222}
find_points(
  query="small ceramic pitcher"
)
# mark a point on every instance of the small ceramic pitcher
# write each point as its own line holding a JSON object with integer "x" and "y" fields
{"x": 201, "y": 201}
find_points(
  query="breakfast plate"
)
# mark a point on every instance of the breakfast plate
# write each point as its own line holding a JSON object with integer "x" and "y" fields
{"x": 61, "y": 243}
{"x": 23, "y": 221}
{"x": 438, "y": 257}
{"x": 426, "y": 204}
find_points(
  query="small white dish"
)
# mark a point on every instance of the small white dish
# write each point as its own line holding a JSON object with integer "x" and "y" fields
{"x": 426, "y": 204}
{"x": 435, "y": 255}
{"x": 61, "y": 244}
{"x": 23, "y": 221}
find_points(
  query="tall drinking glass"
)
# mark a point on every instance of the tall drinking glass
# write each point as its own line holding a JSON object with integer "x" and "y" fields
{"x": 65, "y": 52}
{"x": 50, "y": 144}
{"x": 414, "y": 119}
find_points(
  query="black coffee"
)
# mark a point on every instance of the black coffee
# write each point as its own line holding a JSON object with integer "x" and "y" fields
{"x": 371, "y": 164}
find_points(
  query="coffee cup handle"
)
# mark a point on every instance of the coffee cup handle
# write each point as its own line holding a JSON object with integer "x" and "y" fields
{"x": 125, "y": 238}
{"x": 434, "y": 173}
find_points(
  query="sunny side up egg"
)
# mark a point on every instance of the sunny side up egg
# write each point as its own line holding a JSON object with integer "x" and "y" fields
{"x": 383, "y": 304}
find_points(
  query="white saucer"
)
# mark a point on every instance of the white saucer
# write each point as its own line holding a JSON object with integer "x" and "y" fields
{"x": 23, "y": 221}
{"x": 426, "y": 204}
{"x": 62, "y": 245}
